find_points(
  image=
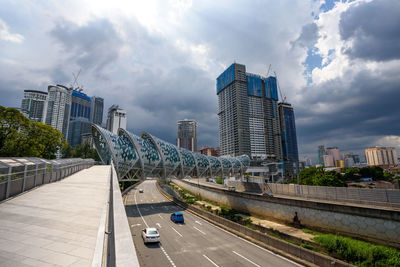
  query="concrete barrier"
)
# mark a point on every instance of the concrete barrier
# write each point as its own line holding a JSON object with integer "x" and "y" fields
{"x": 375, "y": 224}
{"x": 125, "y": 253}
{"x": 293, "y": 252}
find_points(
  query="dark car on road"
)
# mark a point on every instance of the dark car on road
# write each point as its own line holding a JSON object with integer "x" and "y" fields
{"x": 177, "y": 217}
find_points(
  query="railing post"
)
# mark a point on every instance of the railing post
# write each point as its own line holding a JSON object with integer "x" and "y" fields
{"x": 8, "y": 183}
{"x": 34, "y": 183}
{"x": 24, "y": 181}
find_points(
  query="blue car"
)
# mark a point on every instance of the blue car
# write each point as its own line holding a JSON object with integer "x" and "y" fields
{"x": 177, "y": 217}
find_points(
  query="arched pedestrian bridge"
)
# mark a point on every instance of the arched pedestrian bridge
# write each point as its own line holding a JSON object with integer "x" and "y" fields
{"x": 140, "y": 157}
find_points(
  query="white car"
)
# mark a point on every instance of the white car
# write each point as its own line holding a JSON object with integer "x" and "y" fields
{"x": 140, "y": 190}
{"x": 150, "y": 235}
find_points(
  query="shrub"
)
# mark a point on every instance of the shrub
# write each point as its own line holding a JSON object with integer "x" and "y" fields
{"x": 359, "y": 252}
{"x": 247, "y": 221}
{"x": 307, "y": 246}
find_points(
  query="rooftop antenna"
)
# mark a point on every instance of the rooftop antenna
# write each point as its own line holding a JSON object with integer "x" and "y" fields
{"x": 280, "y": 92}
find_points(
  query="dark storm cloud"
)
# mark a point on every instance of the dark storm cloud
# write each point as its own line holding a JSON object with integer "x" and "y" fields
{"x": 308, "y": 36}
{"x": 92, "y": 46}
{"x": 177, "y": 94}
{"x": 12, "y": 92}
{"x": 374, "y": 28}
{"x": 358, "y": 113}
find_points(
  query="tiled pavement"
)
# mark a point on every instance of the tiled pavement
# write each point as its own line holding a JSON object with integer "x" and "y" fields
{"x": 55, "y": 224}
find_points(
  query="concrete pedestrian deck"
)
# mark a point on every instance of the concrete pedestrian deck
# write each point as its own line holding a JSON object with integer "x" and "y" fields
{"x": 55, "y": 224}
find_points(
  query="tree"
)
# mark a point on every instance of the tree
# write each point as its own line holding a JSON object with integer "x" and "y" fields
{"x": 318, "y": 176}
{"x": 352, "y": 174}
{"x": 329, "y": 179}
{"x": 66, "y": 150}
{"x": 20, "y": 137}
{"x": 306, "y": 175}
{"x": 85, "y": 151}
{"x": 374, "y": 172}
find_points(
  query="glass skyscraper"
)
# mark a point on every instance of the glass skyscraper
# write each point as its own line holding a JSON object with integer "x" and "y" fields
{"x": 78, "y": 127}
{"x": 80, "y": 106}
{"x": 97, "y": 110}
{"x": 289, "y": 139}
{"x": 187, "y": 134}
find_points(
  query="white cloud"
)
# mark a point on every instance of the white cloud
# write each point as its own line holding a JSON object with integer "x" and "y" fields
{"x": 7, "y": 36}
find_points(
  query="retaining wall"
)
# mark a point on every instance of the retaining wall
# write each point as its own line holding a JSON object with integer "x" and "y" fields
{"x": 375, "y": 224}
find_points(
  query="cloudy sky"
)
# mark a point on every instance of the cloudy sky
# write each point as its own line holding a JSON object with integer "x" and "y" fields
{"x": 338, "y": 63}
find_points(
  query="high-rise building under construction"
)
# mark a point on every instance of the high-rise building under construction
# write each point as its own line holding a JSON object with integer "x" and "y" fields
{"x": 248, "y": 114}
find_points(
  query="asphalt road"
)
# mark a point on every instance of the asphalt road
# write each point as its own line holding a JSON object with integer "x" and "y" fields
{"x": 195, "y": 243}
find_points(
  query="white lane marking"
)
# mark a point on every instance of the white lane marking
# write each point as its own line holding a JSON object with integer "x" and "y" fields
{"x": 176, "y": 231}
{"x": 166, "y": 255}
{"x": 198, "y": 222}
{"x": 158, "y": 225}
{"x": 266, "y": 250}
{"x": 210, "y": 260}
{"x": 246, "y": 258}
{"x": 222, "y": 229}
{"x": 140, "y": 212}
{"x": 160, "y": 216}
{"x": 199, "y": 230}
{"x": 133, "y": 225}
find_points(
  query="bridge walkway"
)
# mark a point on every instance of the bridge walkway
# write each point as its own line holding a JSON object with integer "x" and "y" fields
{"x": 55, "y": 224}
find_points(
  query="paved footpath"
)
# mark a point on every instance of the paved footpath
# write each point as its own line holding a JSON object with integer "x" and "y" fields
{"x": 55, "y": 224}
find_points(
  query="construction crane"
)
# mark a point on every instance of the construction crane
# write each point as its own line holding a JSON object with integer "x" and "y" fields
{"x": 269, "y": 68}
{"x": 280, "y": 92}
{"x": 77, "y": 88}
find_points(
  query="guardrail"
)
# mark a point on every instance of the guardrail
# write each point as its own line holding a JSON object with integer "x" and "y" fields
{"x": 115, "y": 245}
{"x": 18, "y": 175}
{"x": 378, "y": 197}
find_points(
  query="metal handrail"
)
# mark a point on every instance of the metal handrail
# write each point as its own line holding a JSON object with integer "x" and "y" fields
{"x": 11, "y": 185}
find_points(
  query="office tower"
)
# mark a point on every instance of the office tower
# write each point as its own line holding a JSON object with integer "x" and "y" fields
{"x": 34, "y": 105}
{"x": 355, "y": 157}
{"x": 329, "y": 161}
{"x": 321, "y": 153}
{"x": 77, "y": 128}
{"x": 187, "y": 134}
{"x": 289, "y": 138}
{"x": 59, "y": 108}
{"x": 80, "y": 105}
{"x": 248, "y": 114}
{"x": 116, "y": 119}
{"x": 97, "y": 110}
{"x": 381, "y": 156}
{"x": 349, "y": 161}
{"x": 335, "y": 153}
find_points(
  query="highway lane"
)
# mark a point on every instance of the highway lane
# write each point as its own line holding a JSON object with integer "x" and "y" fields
{"x": 196, "y": 243}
